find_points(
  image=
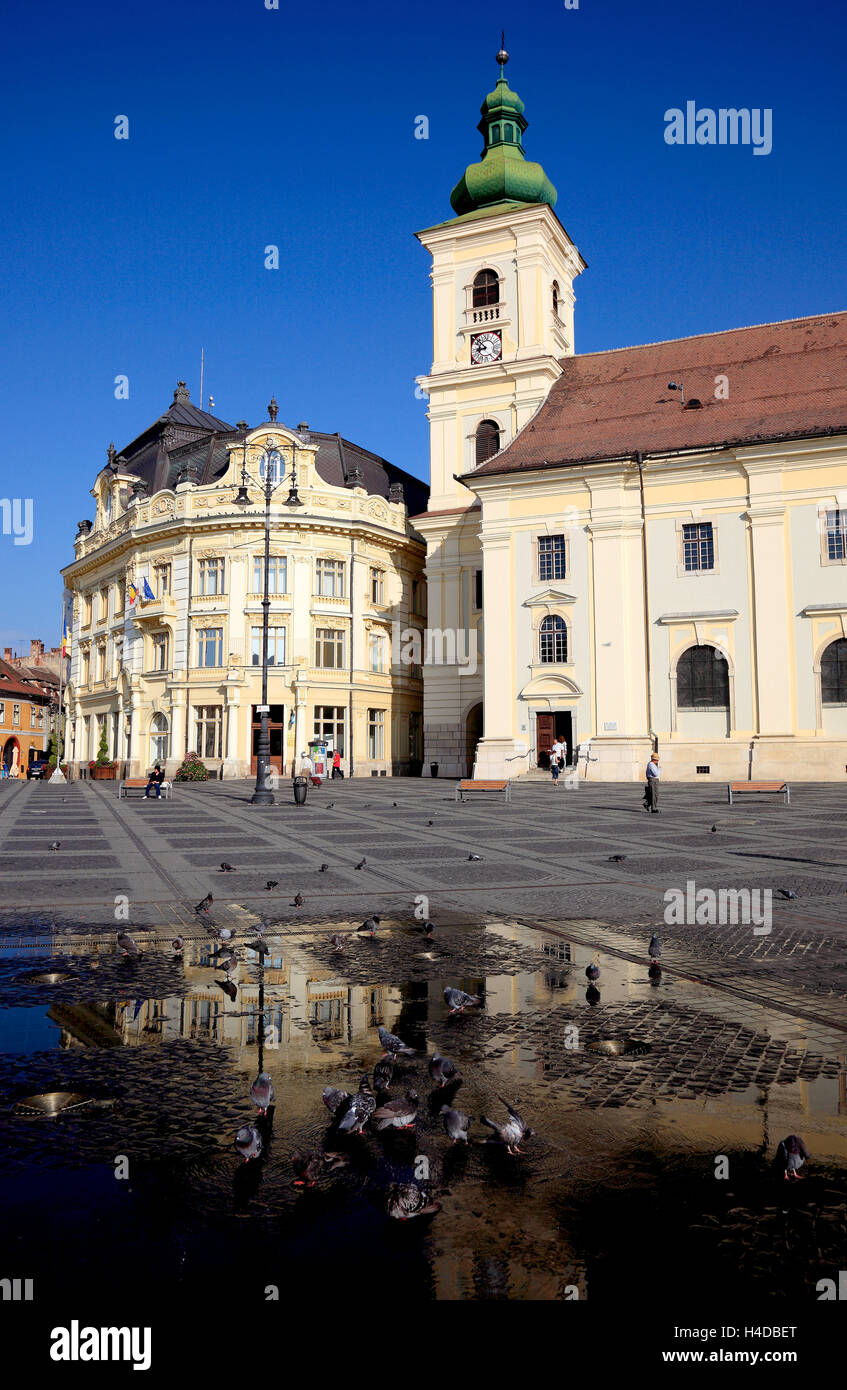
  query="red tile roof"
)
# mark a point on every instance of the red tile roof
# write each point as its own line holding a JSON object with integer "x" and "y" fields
{"x": 785, "y": 380}
{"x": 11, "y": 685}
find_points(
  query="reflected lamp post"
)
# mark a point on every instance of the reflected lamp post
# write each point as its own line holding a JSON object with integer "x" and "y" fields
{"x": 274, "y": 477}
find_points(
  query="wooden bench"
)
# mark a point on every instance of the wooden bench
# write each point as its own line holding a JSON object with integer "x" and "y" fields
{"x": 736, "y": 788}
{"x": 469, "y": 785}
{"x": 139, "y": 784}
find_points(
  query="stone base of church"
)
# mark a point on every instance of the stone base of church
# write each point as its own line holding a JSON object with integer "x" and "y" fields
{"x": 765, "y": 758}
{"x": 446, "y": 745}
{"x": 615, "y": 760}
{"x": 499, "y": 758}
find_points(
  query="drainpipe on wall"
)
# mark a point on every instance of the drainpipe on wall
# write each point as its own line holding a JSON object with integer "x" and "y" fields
{"x": 639, "y": 459}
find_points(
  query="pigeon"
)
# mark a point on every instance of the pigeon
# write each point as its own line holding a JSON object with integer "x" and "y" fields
{"x": 654, "y": 950}
{"x": 323, "y": 868}
{"x": 455, "y": 1123}
{"x": 616, "y": 858}
{"x": 714, "y": 829}
{"x": 512, "y": 1132}
{"x": 592, "y": 971}
{"x": 298, "y": 900}
{"x": 227, "y": 868}
{"x": 405, "y": 1200}
{"x": 361, "y": 864}
{"x": 228, "y": 988}
{"x": 329, "y": 805}
{"x": 310, "y": 1166}
{"x": 271, "y": 884}
{"x": 791, "y": 1154}
{"x": 383, "y": 1072}
{"x": 360, "y": 1109}
{"x": 261, "y": 948}
{"x": 337, "y": 943}
{"x": 228, "y": 963}
{"x": 787, "y": 893}
{"x": 430, "y": 822}
{"x": 56, "y": 844}
{"x": 248, "y": 1142}
{"x": 457, "y": 1001}
{"x": 428, "y": 928}
{"x": 477, "y": 858}
{"x": 442, "y": 1069}
{"x": 397, "y": 1114}
{"x": 205, "y": 904}
{"x": 369, "y": 926}
{"x": 178, "y": 943}
{"x": 127, "y": 945}
{"x": 394, "y": 804}
{"x": 336, "y": 1102}
{"x": 262, "y": 1092}
{"x": 225, "y": 934}
{"x": 392, "y": 1045}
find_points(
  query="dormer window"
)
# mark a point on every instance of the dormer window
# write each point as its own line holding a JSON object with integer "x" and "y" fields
{"x": 273, "y": 461}
{"x": 495, "y": 134}
{"x": 508, "y": 133}
{"x": 486, "y": 289}
{"x": 107, "y": 506}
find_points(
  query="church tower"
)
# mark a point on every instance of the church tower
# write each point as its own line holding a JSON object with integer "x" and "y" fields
{"x": 503, "y": 316}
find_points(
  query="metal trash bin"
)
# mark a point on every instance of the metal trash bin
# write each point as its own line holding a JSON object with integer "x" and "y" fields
{"x": 301, "y": 786}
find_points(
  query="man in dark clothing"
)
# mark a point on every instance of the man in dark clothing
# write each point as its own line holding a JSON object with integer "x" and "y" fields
{"x": 155, "y": 780}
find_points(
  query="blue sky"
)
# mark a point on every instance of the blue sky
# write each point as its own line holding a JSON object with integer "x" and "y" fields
{"x": 295, "y": 127}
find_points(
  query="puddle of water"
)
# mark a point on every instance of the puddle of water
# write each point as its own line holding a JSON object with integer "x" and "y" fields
{"x": 644, "y": 1127}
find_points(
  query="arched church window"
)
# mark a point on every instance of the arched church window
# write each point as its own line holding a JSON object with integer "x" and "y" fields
{"x": 487, "y": 440}
{"x": 495, "y": 134}
{"x": 509, "y": 133}
{"x": 553, "y": 641}
{"x": 486, "y": 289}
{"x": 702, "y": 679}
{"x": 834, "y": 673}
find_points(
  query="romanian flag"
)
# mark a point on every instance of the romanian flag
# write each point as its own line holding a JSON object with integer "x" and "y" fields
{"x": 133, "y": 592}
{"x": 65, "y": 636}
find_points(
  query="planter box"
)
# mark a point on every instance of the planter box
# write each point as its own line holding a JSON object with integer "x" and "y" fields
{"x": 103, "y": 774}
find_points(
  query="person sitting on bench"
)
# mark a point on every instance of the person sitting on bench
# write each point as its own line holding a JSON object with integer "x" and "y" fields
{"x": 155, "y": 779}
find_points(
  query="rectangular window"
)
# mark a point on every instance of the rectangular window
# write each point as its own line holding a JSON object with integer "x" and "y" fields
{"x": 477, "y": 591}
{"x": 120, "y": 598}
{"x": 32, "y": 716}
{"x": 376, "y": 734}
{"x": 2, "y": 711}
{"x": 101, "y": 663}
{"x": 277, "y": 574}
{"x": 16, "y": 714}
{"x": 86, "y": 667}
{"x": 161, "y": 580}
{"x": 210, "y": 641}
{"x": 378, "y": 586}
{"x": 329, "y": 648}
{"x": 207, "y": 725}
{"x": 418, "y": 598}
{"x": 210, "y": 576}
{"x": 552, "y": 557}
{"x": 41, "y": 717}
{"x": 331, "y": 724}
{"x": 160, "y": 651}
{"x": 376, "y": 651}
{"x": 276, "y": 646}
{"x": 415, "y": 744}
{"x": 86, "y": 610}
{"x": 836, "y": 534}
{"x": 329, "y": 578}
{"x": 104, "y": 604}
{"x": 698, "y": 546}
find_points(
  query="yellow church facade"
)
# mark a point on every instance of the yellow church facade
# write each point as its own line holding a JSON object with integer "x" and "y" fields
{"x": 168, "y": 585}
{"x": 648, "y": 545}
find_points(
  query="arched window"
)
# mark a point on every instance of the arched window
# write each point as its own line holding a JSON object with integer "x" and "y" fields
{"x": 495, "y": 134}
{"x": 159, "y": 738}
{"x": 553, "y": 641}
{"x": 486, "y": 289}
{"x": 273, "y": 459}
{"x": 508, "y": 133}
{"x": 702, "y": 679}
{"x": 487, "y": 440}
{"x": 556, "y": 298}
{"x": 834, "y": 673}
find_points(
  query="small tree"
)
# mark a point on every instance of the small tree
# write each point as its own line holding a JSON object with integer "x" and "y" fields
{"x": 191, "y": 770}
{"x": 103, "y": 748}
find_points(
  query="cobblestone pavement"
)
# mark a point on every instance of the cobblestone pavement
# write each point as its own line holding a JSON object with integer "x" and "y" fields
{"x": 545, "y": 859}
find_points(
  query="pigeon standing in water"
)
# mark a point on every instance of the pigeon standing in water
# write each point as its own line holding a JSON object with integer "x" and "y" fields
{"x": 383, "y": 1073}
{"x": 229, "y": 989}
{"x": 512, "y": 1132}
{"x": 335, "y": 1101}
{"x": 205, "y": 903}
{"x": 369, "y": 926}
{"x": 311, "y": 1166}
{"x": 592, "y": 971}
{"x": 791, "y": 1155}
{"x": 337, "y": 942}
{"x": 455, "y": 1123}
{"x": 457, "y": 1000}
{"x": 360, "y": 1109}
{"x": 127, "y": 945}
{"x": 262, "y": 1092}
{"x": 428, "y": 928}
{"x": 227, "y": 963}
{"x": 178, "y": 943}
{"x": 298, "y": 900}
{"x": 442, "y": 1069}
{"x": 654, "y": 950}
{"x": 397, "y": 1114}
{"x": 405, "y": 1200}
{"x": 392, "y": 1045}
{"x": 248, "y": 1142}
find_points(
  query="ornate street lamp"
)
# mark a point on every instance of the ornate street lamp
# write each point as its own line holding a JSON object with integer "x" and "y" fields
{"x": 263, "y": 796}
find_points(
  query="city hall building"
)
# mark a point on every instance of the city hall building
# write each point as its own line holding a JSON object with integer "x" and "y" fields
{"x": 168, "y": 582}
{"x": 649, "y": 544}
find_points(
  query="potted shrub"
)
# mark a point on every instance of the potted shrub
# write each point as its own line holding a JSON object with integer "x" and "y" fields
{"x": 191, "y": 770}
{"x": 102, "y": 769}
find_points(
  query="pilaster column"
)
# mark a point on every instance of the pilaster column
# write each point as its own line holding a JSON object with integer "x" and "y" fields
{"x": 774, "y": 661}
{"x": 497, "y": 753}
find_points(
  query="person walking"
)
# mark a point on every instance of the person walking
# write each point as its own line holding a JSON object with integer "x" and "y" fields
{"x": 651, "y": 789}
{"x": 557, "y": 753}
{"x": 307, "y": 769}
{"x": 336, "y": 765}
{"x": 554, "y": 770}
{"x": 154, "y": 782}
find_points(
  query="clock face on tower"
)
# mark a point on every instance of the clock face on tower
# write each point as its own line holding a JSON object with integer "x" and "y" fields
{"x": 485, "y": 348}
